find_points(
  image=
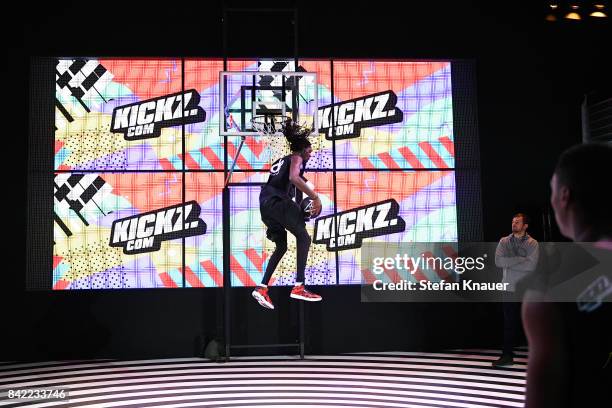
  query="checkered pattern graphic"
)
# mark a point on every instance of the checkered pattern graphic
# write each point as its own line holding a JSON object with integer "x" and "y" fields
{"x": 102, "y": 177}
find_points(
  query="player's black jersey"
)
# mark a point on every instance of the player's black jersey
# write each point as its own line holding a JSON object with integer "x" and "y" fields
{"x": 278, "y": 181}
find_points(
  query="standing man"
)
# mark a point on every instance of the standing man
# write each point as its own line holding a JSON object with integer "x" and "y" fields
{"x": 570, "y": 343}
{"x": 517, "y": 254}
{"x": 281, "y": 214}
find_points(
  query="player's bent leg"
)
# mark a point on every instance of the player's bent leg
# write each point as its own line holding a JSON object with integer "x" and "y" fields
{"x": 289, "y": 215}
{"x": 277, "y": 234}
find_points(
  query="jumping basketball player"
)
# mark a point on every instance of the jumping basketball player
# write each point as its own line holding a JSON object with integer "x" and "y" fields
{"x": 281, "y": 214}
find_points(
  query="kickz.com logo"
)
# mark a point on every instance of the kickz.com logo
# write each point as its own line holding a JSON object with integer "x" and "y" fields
{"x": 350, "y": 116}
{"x": 144, "y": 120}
{"x": 346, "y": 230}
{"x": 145, "y": 232}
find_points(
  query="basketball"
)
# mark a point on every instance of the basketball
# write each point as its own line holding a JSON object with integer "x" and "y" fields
{"x": 306, "y": 206}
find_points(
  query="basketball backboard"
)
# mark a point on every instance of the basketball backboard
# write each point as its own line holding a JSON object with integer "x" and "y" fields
{"x": 270, "y": 96}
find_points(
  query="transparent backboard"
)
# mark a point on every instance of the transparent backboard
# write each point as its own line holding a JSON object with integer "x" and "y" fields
{"x": 269, "y": 97}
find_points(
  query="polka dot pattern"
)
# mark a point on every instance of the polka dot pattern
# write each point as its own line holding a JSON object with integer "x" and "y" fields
{"x": 95, "y": 266}
{"x": 96, "y": 149}
{"x": 320, "y": 158}
{"x": 320, "y": 268}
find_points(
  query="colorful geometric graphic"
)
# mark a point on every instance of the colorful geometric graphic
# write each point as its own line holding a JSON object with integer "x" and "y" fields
{"x": 135, "y": 140}
{"x": 88, "y": 91}
{"x": 86, "y": 205}
{"x": 426, "y": 200}
{"x": 424, "y": 138}
{"x": 204, "y": 253}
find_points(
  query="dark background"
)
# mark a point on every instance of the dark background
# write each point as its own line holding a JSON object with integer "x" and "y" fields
{"x": 532, "y": 76}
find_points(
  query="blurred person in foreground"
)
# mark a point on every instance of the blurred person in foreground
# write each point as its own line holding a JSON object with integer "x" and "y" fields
{"x": 570, "y": 343}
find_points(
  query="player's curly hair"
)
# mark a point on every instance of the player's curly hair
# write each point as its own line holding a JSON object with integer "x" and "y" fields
{"x": 296, "y": 135}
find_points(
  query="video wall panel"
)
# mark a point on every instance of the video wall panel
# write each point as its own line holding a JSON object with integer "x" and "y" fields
{"x": 139, "y": 170}
{"x": 119, "y": 114}
{"x": 392, "y": 114}
{"x": 117, "y": 230}
{"x": 423, "y": 201}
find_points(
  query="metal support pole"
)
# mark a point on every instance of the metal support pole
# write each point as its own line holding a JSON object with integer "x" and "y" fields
{"x": 301, "y": 335}
{"x": 228, "y": 171}
{"x": 229, "y": 175}
{"x": 227, "y": 282}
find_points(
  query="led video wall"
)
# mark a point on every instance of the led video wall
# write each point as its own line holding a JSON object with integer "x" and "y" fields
{"x": 139, "y": 171}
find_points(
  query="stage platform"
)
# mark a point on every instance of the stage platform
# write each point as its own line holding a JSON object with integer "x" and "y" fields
{"x": 456, "y": 378}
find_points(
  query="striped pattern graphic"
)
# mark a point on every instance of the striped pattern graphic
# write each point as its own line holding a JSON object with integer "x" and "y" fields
{"x": 458, "y": 378}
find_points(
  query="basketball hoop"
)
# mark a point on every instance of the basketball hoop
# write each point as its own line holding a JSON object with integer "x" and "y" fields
{"x": 268, "y": 124}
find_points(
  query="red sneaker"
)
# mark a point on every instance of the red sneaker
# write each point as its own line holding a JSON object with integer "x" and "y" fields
{"x": 299, "y": 292}
{"x": 261, "y": 295}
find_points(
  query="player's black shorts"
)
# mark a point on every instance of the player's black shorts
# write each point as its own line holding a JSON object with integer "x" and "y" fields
{"x": 281, "y": 215}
